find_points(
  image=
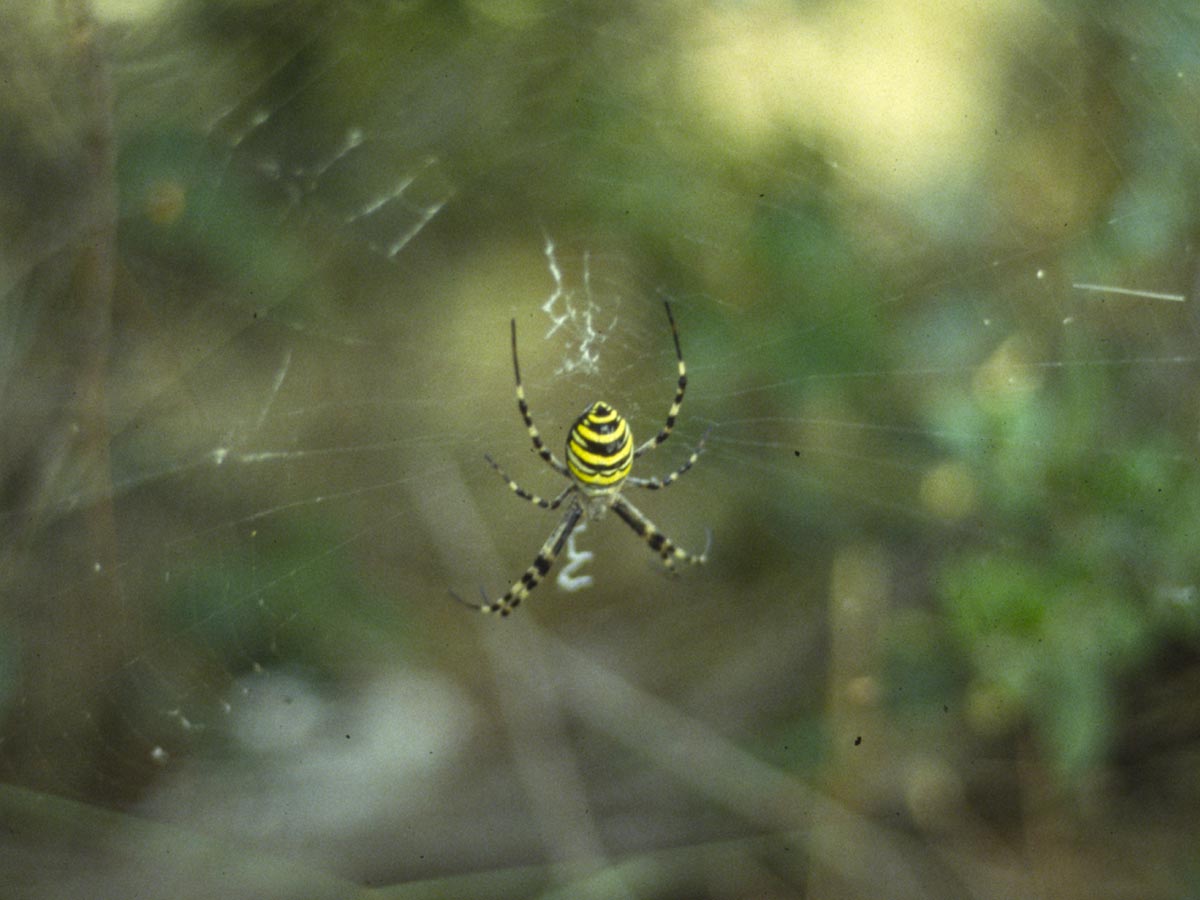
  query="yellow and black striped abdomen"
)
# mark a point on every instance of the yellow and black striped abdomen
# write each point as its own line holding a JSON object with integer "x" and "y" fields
{"x": 600, "y": 449}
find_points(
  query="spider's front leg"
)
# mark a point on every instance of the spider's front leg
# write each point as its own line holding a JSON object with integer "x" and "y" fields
{"x": 659, "y": 542}
{"x": 532, "y": 576}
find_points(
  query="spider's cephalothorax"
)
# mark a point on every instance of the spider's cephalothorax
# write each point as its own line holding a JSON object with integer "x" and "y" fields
{"x": 600, "y": 454}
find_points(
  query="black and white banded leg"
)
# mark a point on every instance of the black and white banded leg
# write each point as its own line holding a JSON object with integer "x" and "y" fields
{"x": 528, "y": 495}
{"x": 523, "y": 405}
{"x": 680, "y": 387}
{"x": 655, "y": 483}
{"x": 659, "y": 542}
{"x": 535, "y": 573}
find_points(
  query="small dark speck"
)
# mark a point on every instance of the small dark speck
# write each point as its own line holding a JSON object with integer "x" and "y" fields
{"x": 945, "y": 708}
{"x": 796, "y": 452}
{"x": 858, "y": 740}
{"x": 347, "y": 737}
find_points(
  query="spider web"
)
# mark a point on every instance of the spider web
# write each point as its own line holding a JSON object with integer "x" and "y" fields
{"x": 938, "y": 313}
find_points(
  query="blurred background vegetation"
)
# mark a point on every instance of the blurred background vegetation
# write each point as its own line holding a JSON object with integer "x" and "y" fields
{"x": 933, "y": 265}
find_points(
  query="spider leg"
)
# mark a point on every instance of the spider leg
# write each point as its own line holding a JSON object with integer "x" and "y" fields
{"x": 677, "y": 403}
{"x": 532, "y": 577}
{"x": 523, "y": 405}
{"x": 526, "y": 495}
{"x": 655, "y": 483}
{"x": 659, "y": 542}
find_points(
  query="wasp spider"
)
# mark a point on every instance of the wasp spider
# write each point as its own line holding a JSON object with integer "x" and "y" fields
{"x": 600, "y": 453}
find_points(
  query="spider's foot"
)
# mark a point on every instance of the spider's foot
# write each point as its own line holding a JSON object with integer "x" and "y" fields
{"x": 504, "y": 606}
{"x": 467, "y": 603}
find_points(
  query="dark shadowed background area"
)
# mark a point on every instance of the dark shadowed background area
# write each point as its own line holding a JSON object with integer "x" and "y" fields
{"x": 934, "y": 269}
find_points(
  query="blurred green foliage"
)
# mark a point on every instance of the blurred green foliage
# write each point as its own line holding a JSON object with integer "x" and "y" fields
{"x": 1092, "y": 573}
{"x": 291, "y": 598}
